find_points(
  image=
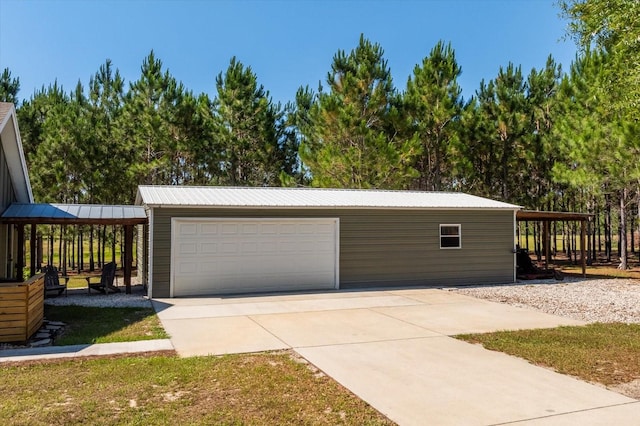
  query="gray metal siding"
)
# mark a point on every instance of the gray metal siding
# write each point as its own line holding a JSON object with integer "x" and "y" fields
{"x": 382, "y": 247}
{"x": 7, "y": 196}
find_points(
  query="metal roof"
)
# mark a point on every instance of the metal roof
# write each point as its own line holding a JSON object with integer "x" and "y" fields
{"x": 73, "y": 213}
{"x": 214, "y": 196}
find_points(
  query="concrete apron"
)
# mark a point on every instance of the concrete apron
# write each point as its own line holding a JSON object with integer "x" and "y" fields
{"x": 391, "y": 348}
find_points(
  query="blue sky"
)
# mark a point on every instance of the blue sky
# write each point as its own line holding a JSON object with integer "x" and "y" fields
{"x": 286, "y": 43}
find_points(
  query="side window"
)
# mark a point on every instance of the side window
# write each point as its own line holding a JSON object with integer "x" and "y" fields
{"x": 450, "y": 237}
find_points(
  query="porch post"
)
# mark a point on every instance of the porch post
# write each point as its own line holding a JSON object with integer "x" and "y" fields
{"x": 20, "y": 258}
{"x": 128, "y": 256}
{"x": 32, "y": 259}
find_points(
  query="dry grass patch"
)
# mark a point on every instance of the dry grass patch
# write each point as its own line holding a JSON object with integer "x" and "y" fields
{"x": 604, "y": 353}
{"x": 603, "y": 271}
{"x": 257, "y": 389}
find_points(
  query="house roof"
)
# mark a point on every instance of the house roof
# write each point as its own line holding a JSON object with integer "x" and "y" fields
{"x": 250, "y": 197}
{"x": 73, "y": 214}
{"x": 12, "y": 147}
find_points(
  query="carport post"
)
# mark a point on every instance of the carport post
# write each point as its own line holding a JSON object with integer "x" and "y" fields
{"x": 128, "y": 257}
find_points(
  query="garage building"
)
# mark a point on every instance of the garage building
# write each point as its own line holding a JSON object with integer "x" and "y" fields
{"x": 221, "y": 240}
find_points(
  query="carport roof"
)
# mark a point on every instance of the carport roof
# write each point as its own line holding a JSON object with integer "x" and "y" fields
{"x": 251, "y": 197}
{"x": 80, "y": 214}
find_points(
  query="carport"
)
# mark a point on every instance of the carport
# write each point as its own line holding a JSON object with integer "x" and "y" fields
{"x": 546, "y": 218}
{"x": 21, "y": 214}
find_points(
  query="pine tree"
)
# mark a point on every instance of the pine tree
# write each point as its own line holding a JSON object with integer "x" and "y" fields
{"x": 9, "y": 87}
{"x": 198, "y": 150}
{"x": 249, "y": 130}
{"x": 60, "y": 162}
{"x": 147, "y": 123}
{"x": 106, "y": 178}
{"x": 539, "y": 144}
{"x": 353, "y": 137}
{"x": 612, "y": 26}
{"x": 433, "y": 105}
{"x": 599, "y": 145}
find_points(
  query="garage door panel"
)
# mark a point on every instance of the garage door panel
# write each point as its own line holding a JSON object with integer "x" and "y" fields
{"x": 188, "y": 248}
{"x": 209, "y": 228}
{"x": 229, "y": 229}
{"x": 268, "y": 228}
{"x": 247, "y": 255}
{"x": 188, "y": 229}
{"x": 250, "y": 229}
{"x": 209, "y": 248}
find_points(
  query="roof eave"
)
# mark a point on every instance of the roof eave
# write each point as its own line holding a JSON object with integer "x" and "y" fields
{"x": 16, "y": 162}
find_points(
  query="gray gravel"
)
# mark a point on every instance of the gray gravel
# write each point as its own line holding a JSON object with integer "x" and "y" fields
{"x": 79, "y": 297}
{"x": 591, "y": 300}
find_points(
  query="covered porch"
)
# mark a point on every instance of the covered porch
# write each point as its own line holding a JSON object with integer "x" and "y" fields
{"x": 22, "y": 214}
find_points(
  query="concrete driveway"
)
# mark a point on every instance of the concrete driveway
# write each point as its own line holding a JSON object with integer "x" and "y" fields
{"x": 392, "y": 349}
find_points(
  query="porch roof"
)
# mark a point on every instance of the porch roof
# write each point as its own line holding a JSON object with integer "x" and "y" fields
{"x": 74, "y": 214}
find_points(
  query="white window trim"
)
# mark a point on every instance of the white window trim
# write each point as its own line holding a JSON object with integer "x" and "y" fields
{"x": 459, "y": 226}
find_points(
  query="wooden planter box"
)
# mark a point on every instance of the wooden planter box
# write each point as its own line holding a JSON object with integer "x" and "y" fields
{"x": 21, "y": 309}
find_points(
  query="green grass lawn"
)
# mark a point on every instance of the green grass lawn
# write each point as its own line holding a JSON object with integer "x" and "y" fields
{"x": 105, "y": 325}
{"x": 603, "y": 353}
{"x": 255, "y": 389}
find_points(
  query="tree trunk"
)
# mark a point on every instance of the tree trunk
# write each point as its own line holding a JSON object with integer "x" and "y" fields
{"x": 632, "y": 227}
{"x": 60, "y": 250}
{"x": 568, "y": 236}
{"x": 81, "y": 251}
{"x": 607, "y": 229}
{"x": 536, "y": 240}
{"x": 104, "y": 245}
{"x": 63, "y": 252}
{"x": 592, "y": 224}
{"x": 92, "y": 264}
{"x": 100, "y": 242}
{"x": 72, "y": 258}
{"x": 113, "y": 245}
{"x": 623, "y": 231}
{"x": 599, "y": 228}
{"x": 122, "y": 256}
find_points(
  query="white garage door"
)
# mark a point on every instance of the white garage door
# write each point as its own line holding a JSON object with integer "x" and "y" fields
{"x": 217, "y": 256}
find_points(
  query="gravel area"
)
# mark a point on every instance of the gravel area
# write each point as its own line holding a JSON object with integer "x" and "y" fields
{"x": 79, "y": 297}
{"x": 591, "y": 300}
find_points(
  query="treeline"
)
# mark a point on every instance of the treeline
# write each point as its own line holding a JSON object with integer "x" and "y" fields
{"x": 544, "y": 139}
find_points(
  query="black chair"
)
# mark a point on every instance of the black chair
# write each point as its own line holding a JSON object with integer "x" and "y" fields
{"x": 52, "y": 286}
{"x": 106, "y": 280}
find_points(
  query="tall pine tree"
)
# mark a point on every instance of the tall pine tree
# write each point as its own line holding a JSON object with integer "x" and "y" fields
{"x": 249, "y": 130}
{"x": 433, "y": 105}
{"x": 353, "y": 136}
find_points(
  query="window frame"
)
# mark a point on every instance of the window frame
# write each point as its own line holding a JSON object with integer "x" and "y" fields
{"x": 459, "y": 236}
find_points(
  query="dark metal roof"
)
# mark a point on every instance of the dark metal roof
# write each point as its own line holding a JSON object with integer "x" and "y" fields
{"x": 81, "y": 214}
